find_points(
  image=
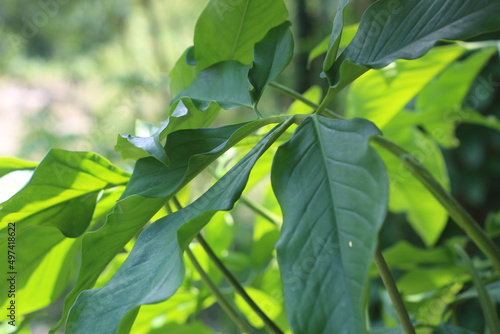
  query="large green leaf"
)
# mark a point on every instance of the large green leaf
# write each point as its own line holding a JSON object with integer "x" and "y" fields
{"x": 332, "y": 189}
{"x": 272, "y": 55}
{"x": 150, "y": 187}
{"x": 62, "y": 192}
{"x": 154, "y": 270}
{"x": 228, "y": 29}
{"x": 8, "y": 165}
{"x": 380, "y": 95}
{"x": 391, "y": 30}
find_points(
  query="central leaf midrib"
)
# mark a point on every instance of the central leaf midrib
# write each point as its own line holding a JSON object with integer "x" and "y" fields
{"x": 244, "y": 15}
{"x": 330, "y": 177}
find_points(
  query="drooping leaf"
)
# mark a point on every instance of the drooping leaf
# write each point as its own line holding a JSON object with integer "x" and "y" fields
{"x": 332, "y": 189}
{"x": 62, "y": 192}
{"x": 183, "y": 115}
{"x": 271, "y": 56}
{"x": 150, "y": 186}
{"x": 154, "y": 270}
{"x": 419, "y": 25}
{"x": 8, "y": 165}
{"x": 228, "y": 29}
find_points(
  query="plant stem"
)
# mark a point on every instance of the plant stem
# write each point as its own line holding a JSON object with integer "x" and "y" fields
{"x": 297, "y": 96}
{"x": 228, "y": 308}
{"x": 330, "y": 94}
{"x": 232, "y": 280}
{"x": 259, "y": 209}
{"x": 394, "y": 294}
{"x": 237, "y": 286}
{"x": 455, "y": 210}
{"x": 489, "y": 309}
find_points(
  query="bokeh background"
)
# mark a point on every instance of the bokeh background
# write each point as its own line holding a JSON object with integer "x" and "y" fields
{"x": 76, "y": 73}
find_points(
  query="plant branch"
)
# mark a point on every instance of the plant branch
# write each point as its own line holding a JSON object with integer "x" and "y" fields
{"x": 232, "y": 280}
{"x": 228, "y": 308}
{"x": 394, "y": 294}
{"x": 455, "y": 210}
{"x": 489, "y": 310}
{"x": 297, "y": 96}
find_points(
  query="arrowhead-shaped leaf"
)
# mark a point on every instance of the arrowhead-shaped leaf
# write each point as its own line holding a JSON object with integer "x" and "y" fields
{"x": 154, "y": 270}
{"x": 332, "y": 188}
{"x": 391, "y": 30}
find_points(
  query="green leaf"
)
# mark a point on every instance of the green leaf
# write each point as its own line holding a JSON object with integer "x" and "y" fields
{"x": 346, "y": 38}
{"x": 154, "y": 270}
{"x": 332, "y": 189}
{"x": 225, "y": 83}
{"x": 62, "y": 192}
{"x": 183, "y": 115}
{"x": 228, "y": 29}
{"x": 338, "y": 27}
{"x": 419, "y": 25}
{"x": 44, "y": 271}
{"x": 182, "y": 74}
{"x": 380, "y": 95}
{"x": 8, "y": 165}
{"x": 425, "y": 280}
{"x": 271, "y": 57}
{"x": 425, "y": 214}
{"x": 150, "y": 187}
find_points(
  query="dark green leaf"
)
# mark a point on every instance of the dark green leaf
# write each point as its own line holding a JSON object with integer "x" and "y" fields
{"x": 419, "y": 25}
{"x": 225, "y": 83}
{"x": 332, "y": 189}
{"x": 239, "y": 24}
{"x": 154, "y": 270}
{"x": 334, "y": 42}
{"x": 271, "y": 56}
{"x": 183, "y": 115}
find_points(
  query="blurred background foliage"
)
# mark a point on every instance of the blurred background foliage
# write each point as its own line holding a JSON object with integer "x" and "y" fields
{"x": 74, "y": 74}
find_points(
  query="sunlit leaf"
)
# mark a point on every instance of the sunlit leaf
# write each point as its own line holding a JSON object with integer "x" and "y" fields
{"x": 157, "y": 255}
{"x": 8, "y": 165}
{"x": 240, "y": 24}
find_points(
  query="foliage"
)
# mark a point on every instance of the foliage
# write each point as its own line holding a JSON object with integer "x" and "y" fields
{"x": 116, "y": 241}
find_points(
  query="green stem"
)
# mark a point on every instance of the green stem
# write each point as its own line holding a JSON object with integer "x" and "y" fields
{"x": 232, "y": 280}
{"x": 455, "y": 210}
{"x": 297, "y": 96}
{"x": 394, "y": 294}
{"x": 489, "y": 310}
{"x": 237, "y": 286}
{"x": 228, "y": 308}
{"x": 259, "y": 209}
{"x": 330, "y": 94}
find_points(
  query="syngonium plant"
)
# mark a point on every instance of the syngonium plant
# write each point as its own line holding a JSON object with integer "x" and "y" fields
{"x": 333, "y": 176}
